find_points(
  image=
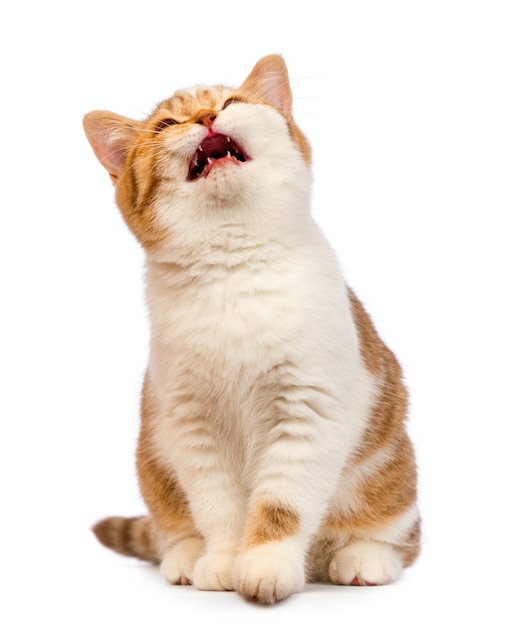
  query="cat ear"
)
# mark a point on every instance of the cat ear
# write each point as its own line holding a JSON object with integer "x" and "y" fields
{"x": 110, "y": 136}
{"x": 269, "y": 81}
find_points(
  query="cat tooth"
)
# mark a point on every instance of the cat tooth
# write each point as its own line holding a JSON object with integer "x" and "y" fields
{"x": 228, "y": 139}
{"x": 200, "y": 148}
{"x": 228, "y": 154}
{"x": 210, "y": 160}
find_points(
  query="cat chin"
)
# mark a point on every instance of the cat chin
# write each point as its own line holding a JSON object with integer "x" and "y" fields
{"x": 224, "y": 185}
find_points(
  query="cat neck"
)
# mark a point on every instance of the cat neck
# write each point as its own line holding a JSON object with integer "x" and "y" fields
{"x": 233, "y": 248}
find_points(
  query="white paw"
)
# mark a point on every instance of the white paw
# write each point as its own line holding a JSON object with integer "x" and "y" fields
{"x": 213, "y": 571}
{"x": 269, "y": 572}
{"x": 178, "y": 563}
{"x": 365, "y": 563}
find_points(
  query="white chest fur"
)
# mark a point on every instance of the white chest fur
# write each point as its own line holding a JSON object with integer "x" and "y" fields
{"x": 264, "y": 314}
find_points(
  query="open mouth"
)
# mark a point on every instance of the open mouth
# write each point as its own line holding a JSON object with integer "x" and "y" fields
{"x": 214, "y": 148}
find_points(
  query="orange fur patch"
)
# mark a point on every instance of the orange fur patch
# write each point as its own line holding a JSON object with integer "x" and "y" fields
{"x": 381, "y": 497}
{"x": 160, "y": 489}
{"x": 270, "y": 522}
{"x": 390, "y": 411}
{"x": 385, "y": 494}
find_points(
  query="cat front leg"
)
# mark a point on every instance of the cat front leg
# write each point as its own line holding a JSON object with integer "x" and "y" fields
{"x": 189, "y": 488}
{"x": 205, "y": 559}
{"x": 270, "y": 566}
{"x": 217, "y": 509}
{"x": 289, "y": 498}
{"x": 179, "y": 542}
{"x": 214, "y": 498}
{"x": 216, "y": 503}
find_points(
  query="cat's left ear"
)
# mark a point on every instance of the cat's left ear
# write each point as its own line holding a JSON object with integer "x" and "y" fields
{"x": 110, "y": 136}
{"x": 269, "y": 81}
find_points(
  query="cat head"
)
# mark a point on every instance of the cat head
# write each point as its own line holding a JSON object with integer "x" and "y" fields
{"x": 207, "y": 156}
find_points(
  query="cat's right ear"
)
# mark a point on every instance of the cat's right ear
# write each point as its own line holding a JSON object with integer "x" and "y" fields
{"x": 110, "y": 136}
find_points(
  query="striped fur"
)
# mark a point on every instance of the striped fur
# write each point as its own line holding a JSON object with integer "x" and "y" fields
{"x": 273, "y": 447}
{"x": 134, "y": 536}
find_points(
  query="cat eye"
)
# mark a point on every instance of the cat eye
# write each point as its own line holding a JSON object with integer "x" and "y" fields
{"x": 164, "y": 123}
{"x": 231, "y": 101}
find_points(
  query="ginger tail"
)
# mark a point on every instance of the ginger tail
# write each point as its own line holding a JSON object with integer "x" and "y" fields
{"x": 129, "y": 536}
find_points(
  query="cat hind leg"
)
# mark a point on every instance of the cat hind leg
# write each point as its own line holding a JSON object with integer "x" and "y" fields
{"x": 379, "y": 558}
{"x": 365, "y": 563}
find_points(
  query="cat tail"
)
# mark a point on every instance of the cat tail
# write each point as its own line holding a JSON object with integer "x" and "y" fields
{"x": 129, "y": 536}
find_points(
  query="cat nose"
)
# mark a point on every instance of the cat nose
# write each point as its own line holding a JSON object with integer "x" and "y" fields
{"x": 206, "y": 119}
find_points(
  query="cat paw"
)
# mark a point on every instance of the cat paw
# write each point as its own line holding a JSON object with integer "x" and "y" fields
{"x": 269, "y": 573}
{"x": 365, "y": 563}
{"x": 213, "y": 571}
{"x": 178, "y": 563}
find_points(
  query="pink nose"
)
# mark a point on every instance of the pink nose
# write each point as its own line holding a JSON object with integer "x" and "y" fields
{"x": 206, "y": 119}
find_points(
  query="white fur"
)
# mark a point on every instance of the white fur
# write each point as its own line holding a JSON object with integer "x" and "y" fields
{"x": 368, "y": 562}
{"x": 270, "y": 572}
{"x": 213, "y": 571}
{"x": 179, "y": 562}
{"x": 254, "y": 357}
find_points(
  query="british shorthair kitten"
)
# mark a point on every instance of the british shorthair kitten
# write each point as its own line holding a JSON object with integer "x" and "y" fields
{"x": 272, "y": 447}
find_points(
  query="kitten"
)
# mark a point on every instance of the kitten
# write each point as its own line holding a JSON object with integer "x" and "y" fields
{"x": 272, "y": 447}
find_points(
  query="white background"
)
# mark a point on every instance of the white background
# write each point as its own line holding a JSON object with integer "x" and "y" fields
{"x": 404, "y": 104}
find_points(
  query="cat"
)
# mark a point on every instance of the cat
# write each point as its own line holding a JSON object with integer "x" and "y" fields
{"x": 273, "y": 449}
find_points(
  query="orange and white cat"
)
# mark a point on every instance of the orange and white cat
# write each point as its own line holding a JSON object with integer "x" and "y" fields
{"x": 272, "y": 448}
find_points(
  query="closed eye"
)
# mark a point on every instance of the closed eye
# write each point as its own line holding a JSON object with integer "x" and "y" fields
{"x": 164, "y": 123}
{"x": 231, "y": 101}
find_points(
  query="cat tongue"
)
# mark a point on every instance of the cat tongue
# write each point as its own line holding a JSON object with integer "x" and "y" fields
{"x": 212, "y": 148}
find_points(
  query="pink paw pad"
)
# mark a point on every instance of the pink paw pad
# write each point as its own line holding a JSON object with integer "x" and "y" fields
{"x": 356, "y": 583}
